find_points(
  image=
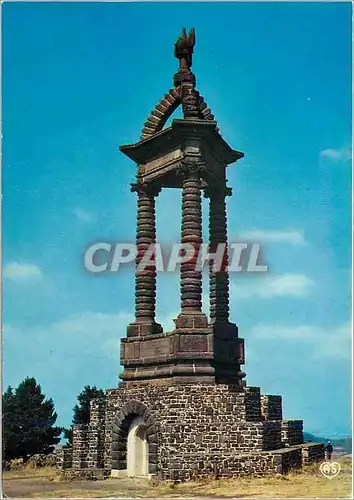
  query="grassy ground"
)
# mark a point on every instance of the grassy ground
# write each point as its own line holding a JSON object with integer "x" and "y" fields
{"x": 309, "y": 483}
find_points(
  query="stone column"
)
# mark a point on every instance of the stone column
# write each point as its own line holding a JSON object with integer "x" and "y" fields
{"x": 145, "y": 280}
{"x": 228, "y": 348}
{"x": 191, "y": 315}
{"x": 219, "y": 280}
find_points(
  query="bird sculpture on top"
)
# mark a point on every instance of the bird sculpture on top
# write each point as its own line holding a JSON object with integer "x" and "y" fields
{"x": 184, "y": 49}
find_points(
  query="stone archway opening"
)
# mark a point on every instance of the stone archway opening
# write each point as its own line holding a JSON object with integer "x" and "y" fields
{"x": 137, "y": 449}
{"x": 134, "y": 441}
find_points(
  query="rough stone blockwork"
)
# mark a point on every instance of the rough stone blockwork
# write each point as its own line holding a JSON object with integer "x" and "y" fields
{"x": 289, "y": 459}
{"x": 312, "y": 453}
{"x": 81, "y": 474}
{"x": 65, "y": 457}
{"x": 183, "y": 419}
{"x": 192, "y": 466}
{"x": 210, "y": 426}
{"x": 80, "y": 446}
{"x": 96, "y": 433}
{"x": 192, "y": 431}
{"x": 271, "y": 407}
{"x": 291, "y": 431}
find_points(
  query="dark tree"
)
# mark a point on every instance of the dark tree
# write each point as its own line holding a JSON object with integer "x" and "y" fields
{"x": 28, "y": 421}
{"x": 82, "y": 409}
{"x": 10, "y": 425}
{"x": 68, "y": 434}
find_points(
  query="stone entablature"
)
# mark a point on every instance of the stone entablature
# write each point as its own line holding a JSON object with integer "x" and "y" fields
{"x": 160, "y": 355}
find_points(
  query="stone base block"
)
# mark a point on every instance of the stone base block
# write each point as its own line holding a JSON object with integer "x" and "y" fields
{"x": 142, "y": 329}
{"x": 224, "y": 330}
{"x": 191, "y": 321}
{"x": 189, "y": 466}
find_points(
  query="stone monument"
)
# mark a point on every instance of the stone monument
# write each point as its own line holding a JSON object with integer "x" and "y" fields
{"x": 183, "y": 409}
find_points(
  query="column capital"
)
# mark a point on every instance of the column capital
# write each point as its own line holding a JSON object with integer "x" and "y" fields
{"x": 145, "y": 188}
{"x": 217, "y": 191}
{"x": 190, "y": 165}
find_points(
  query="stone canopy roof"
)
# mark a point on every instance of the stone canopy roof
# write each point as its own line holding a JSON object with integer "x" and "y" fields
{"x": 184, "y": 94}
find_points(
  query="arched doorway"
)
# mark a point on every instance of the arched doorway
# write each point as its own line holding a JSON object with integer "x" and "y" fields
{"x": 137, "y": 449}
{"x": 132, "y": 415}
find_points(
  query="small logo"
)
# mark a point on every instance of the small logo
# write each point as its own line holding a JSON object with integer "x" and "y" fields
{"x": 330, "y": 469}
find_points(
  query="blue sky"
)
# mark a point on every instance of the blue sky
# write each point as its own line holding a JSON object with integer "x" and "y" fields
{"x": 78, "y": 81}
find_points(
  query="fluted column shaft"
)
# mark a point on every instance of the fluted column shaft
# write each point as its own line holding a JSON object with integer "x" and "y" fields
{"x": 219, "y": 279}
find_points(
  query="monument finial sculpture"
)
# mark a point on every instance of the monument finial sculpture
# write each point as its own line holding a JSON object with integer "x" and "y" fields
{"x": 183, "y": 51}
{"x": 184, "y": 48}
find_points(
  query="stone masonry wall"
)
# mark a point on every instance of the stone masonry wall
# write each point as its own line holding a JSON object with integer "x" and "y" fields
{"x": 252, "y": 401}
{"x": 84, "y": 474}
{"x": 192, "y": 466}
{"x": 196, "y": 420}
{"x": 272, "y": 438}
{"x": 271, "y": 407}
{"x": 243, "y": 464}
{"x": 312, "y": 453}
{"x": 96, "y": 433}
{"x": 80, "y": 446}
{"x": 192, "y": 431}
{"x": 64, "y": 457}
{"x": 289, "y": 459}
{"x": 291, "y": 431}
